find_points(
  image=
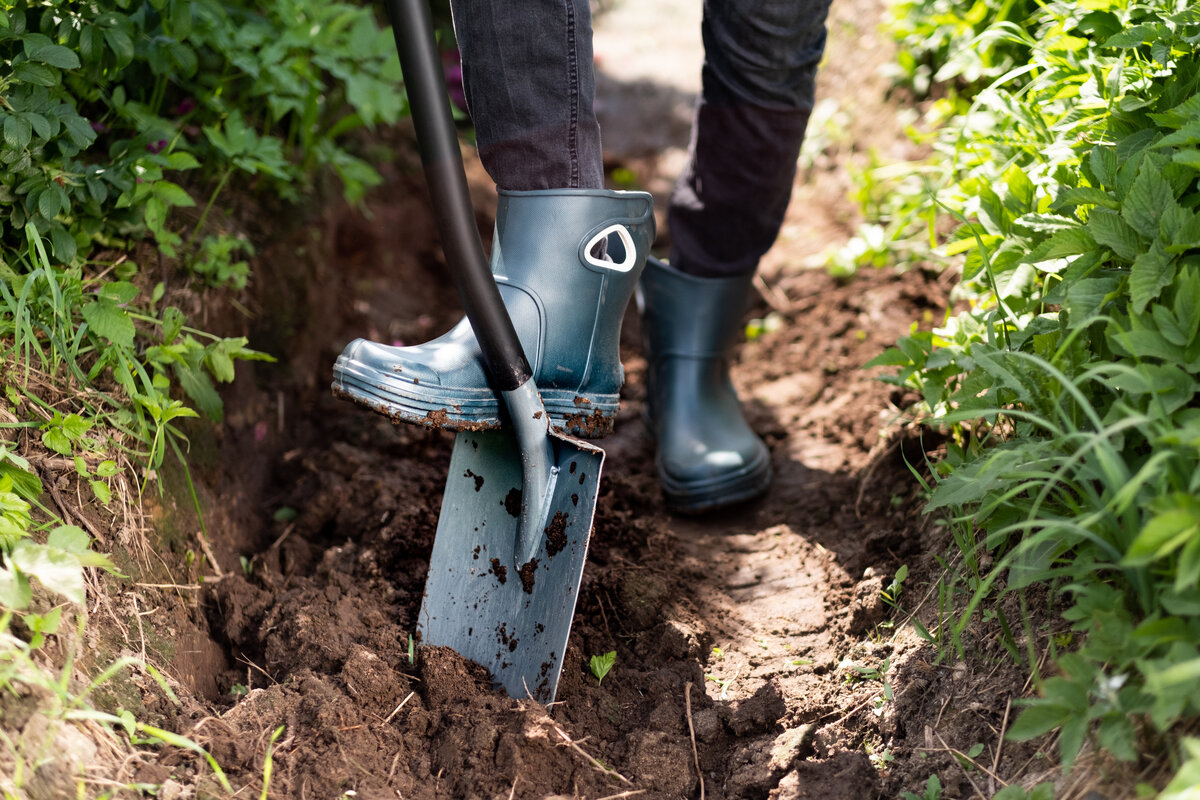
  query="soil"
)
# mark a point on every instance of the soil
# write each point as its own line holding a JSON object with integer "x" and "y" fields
{"x": 756, "y": 656}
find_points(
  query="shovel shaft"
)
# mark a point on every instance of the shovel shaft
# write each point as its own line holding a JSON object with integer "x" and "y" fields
{"x": 442, "y": 160}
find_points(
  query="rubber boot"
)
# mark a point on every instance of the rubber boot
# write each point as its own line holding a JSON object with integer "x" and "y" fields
{"x": 708, "y": 457}
{"x": 566, "y": 304}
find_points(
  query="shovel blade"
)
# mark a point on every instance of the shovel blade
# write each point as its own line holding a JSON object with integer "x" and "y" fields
{"x": 512, "y": 620}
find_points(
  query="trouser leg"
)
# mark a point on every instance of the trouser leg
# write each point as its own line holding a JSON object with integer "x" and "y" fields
{"x": 759, "y": 75}
{"x": 530, "y": 84}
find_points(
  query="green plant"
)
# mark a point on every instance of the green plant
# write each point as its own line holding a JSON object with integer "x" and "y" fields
{"x": 601, "y": 664}
{"x": 933, "y": 791}
{"x": 216, "y": 261}
{"x": 1043, "y": 791}
{"x": 1070, "y": 383}
{"x": 269, "y": 763}
{"x": 891, "y": 592}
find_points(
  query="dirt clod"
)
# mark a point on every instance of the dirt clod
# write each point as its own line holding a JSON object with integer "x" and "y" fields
{"x": 556, "y": 534}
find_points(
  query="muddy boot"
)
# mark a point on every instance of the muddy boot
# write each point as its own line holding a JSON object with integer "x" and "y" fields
{"x": 565, "y": 301}
{"x": 708, "y": 457}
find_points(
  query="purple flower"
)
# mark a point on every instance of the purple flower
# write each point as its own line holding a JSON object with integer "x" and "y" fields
{"x": 157, "y": 147}
{"x": 186, "y": 105}
{"x": 99, "y": 127}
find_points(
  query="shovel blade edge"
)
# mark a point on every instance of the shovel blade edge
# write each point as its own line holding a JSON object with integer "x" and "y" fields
{"x": 512, "y": 619}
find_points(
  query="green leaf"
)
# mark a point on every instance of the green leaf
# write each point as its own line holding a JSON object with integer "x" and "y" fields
{"x": 172, "y": 324}
{"x": 1135, "y": 36}
{"x": 76, "y": 427}
{"x": 1086, "y": 298}
{"x": 70, "y": 538}
{"x": 1151, "y": 271}
{"x": 1181, "y": 114}
{"x": 56, "y": 569}
{"x": 1109, "y": 230}
{"x": 1104, "y": 163}
{"x": 1069, "y": 242}
{"x": 36, "y": 74}
{"x": 20, "y": 476}
{"x": 107, "y": 469}
{"x": 1189, "y": 134}
{"x": 1039, "y": 718}
{"x": 102, "y": 492}
{"x": 1168, "y": 325}
{"x": 601, "y": 664}
{"x": 1085, "y": 195}
{"x": 56, "y": 440}
{"x": 48, "y": 204}
{"x": 121, "y": 43}
{"x": 181, "y": 160}
{"x": 892, "y": 357}
{"x": 110, "y": 322}
{"x": 1161, "y": 536}
{"x": 17, "y": 132}
{"x": 41, "y": 125}
{"x": 198, "y": 387}
{"x": 173, "y": 194}
{"x": 75, "y": 541}
{"x": 1071, "y": 739}
{"x": 79, "y": 131}
{"x": 15, "y": 591}
{"x": 1188, "y": 571}
{"x": 56, "y": 56}
{"x": 1148, "y": 199}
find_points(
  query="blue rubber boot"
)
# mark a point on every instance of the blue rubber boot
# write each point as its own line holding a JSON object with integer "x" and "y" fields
{"x": 565, "y": 302}
{"x": 708, "y": 457}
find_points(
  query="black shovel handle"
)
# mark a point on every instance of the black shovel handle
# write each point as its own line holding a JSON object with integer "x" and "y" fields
{"x": 440, "y": 156}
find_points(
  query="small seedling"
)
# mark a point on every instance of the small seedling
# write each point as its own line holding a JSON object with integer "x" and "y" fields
{"x": 933, "y": 791}
{"x": 600, "y": 665}
{"x": 968, "y": 761}
{"x": 285, "y": 514}
{"x": 239, "y": 690}
{"x": 412, "y": 649}
{"x": 891, "y": 592}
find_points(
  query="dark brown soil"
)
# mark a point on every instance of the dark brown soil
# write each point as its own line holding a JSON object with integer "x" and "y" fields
{"x": 755, "y": 655}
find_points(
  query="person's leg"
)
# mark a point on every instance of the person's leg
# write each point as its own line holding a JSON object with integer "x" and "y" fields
{"x": 759, "y": 73}
{"x": 566, "y": 253}
{"x": 759, "y": 78}
{"x": 529, "y": 81}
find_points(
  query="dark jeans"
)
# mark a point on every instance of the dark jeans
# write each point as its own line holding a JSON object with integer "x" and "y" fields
{"x": 529, "y": 81}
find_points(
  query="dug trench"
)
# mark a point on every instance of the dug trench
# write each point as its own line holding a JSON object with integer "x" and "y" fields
{"x": 754, "y": 650}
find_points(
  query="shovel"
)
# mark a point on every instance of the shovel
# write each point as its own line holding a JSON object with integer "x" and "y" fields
{"x": 517, "y": 511}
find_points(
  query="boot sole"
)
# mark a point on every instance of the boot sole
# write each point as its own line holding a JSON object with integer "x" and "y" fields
{"x": 712, "y": 494}
{"x": 588, "y": 416}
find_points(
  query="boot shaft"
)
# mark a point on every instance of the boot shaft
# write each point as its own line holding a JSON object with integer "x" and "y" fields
{"x": 689, "y": 316}
{"x": 571, "y": 259}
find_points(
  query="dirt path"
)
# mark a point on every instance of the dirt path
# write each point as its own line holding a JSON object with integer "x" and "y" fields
{"x": 754, "y": 643}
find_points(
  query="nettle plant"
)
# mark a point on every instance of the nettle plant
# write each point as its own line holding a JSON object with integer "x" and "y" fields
{"x": 1072, "y": 381}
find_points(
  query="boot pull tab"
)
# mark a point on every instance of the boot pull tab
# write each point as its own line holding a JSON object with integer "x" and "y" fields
{"x": 606, "y": 262}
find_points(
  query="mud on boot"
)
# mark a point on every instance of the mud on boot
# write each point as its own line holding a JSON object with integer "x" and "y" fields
{"x": 708, "y": 457}
{"x": 566, "y": 303}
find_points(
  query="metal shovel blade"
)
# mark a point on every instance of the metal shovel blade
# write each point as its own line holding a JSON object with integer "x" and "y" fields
{"x": 512, "y": 619}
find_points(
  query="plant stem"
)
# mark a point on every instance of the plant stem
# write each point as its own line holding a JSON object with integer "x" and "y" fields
{"x": 208, "y": 207}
